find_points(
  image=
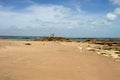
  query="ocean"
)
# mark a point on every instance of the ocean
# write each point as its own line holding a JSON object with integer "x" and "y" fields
{"x": 30, "y": 38}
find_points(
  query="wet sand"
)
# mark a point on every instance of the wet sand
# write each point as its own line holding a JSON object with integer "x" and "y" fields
{"x": 54, "y": 61}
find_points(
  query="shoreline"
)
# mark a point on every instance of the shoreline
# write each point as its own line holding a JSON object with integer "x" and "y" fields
{"x": 100, "y": 46}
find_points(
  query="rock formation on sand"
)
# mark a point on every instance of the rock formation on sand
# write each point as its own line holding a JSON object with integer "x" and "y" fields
{"x": 109, "y": 48}
{"x": 54, "y": 39}
{"x": 104, "y": 42}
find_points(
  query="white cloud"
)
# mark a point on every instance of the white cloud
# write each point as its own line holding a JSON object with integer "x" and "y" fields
{"x": 117, "y": 11}
{"x": 34, "y": 16}
{"x": 111, "y": 16}
{"x": 115, "y": 2}
{"x": 49, "y": 12}
{"x": 39, "y": 16}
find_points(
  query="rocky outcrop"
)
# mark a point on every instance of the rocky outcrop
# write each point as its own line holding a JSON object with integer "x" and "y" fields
{"x": 56, "y": 39}
{"x": 104, "y": 42}
{"x": 108, "y": 48}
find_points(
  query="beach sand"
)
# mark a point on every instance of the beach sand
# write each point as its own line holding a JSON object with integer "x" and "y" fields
{"x": 54, "y": 61}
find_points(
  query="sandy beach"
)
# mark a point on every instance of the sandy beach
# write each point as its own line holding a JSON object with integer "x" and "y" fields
{"x": 54, "y": 61}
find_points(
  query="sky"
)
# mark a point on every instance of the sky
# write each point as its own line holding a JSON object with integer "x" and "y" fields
{"x": 68, "y": 18}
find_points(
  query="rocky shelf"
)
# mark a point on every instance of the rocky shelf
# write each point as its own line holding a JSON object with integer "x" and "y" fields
{"x": 108, "y": 48}
{"x": 54, "y": 39}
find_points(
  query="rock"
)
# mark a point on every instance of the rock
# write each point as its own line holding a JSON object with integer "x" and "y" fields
{"x": 27, "y": 44}
{"x": 37, "y": 40}
{"x": 90, "y": 40}
{"x": 114, "y": 56}
{"x": 104, "y": 42}
{"x": 56, "y": 39}
{"x": 106, "y": 48}
{"x": 90, "y": 49}
{"x": 117, "y": 52}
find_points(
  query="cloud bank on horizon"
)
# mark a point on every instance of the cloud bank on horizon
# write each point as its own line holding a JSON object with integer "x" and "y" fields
{"x": 73, "y": 18}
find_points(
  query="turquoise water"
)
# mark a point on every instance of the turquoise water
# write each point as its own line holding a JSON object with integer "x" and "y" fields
{"x": 30, "y": 38}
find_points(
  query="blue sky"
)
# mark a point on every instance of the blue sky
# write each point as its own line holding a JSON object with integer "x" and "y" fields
{"x": 69, "y": 18}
